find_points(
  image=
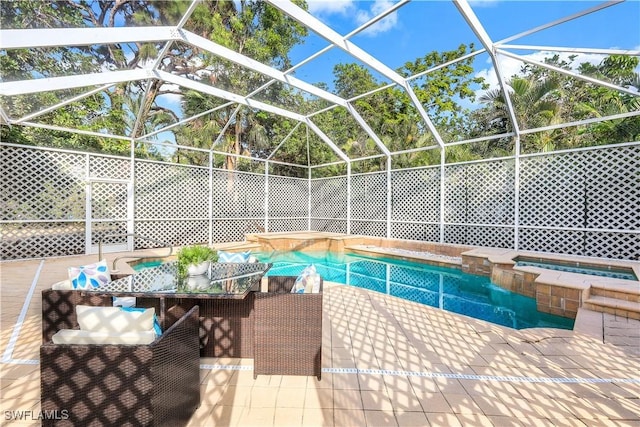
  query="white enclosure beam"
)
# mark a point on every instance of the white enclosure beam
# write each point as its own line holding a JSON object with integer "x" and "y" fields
{"x": 50, "y": 84}
{"x": 62, "y": 104}
{"x": 330, "y": 35}
{"x": 33, "y": 38}
{"x": 201, "y": 87}
{"x": 52, "y": 37}
{"x": 364, "y": 125}
{"x": 286, "y": 138}
{"x": 569, "y": 73}
{"x": 233, "y": 56}
{"x": 469, "y": 15}
{"x": 4, "y": 119}
{"x": 628, "y": 52}
{"x": 423, "y": 114}
{"x": 226, "y": 126}
{"x": 326, "y": 139}
{"x": 559, "y": 21}
{"x": 187, "y": 120}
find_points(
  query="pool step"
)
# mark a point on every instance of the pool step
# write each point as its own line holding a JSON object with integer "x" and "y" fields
{"x": 619, "y": 301}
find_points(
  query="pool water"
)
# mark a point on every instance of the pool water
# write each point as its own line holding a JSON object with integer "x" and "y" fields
{"x": 445, "y": 288}
{"x": 146, "y": 264}
{"x": 594, "y": 271}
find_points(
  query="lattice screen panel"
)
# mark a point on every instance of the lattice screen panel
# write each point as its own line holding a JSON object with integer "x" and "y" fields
{"x": 42, "y": 185}
{"x": 613, "y": 245}
{"x": 415, "y": 231}
{"x": 480, "y": 193}
{"x": 109, "y": 167}
{"x": 287, "y": 224}
{"x": 101, "y": 229}
{"x": 498, "y": 237}
{"x": 560, "y": 241}
{"x": 173, "y": 232}
{"x": 329, "y": 197}
{"x": 288, "y": 197}
{"x": 156, "y": 190}
{"x": 32, "y": 240}
{"x": 594, "y": 189}
{"x": 584, "y": 243}
{"x": 229, "y": 230}
{"x": 108, "y": 200}
{"x": 416, "y": 195}
{"x": 613, "y": 189}
{"x": 238, "y": 194}
{"x": 171, "y": 191}
{"x": 369, "y": 228}
{"x": 552, "y": 190}
{"x": 455, "y": 194}
{"x": 369, "y": 196}
{"x": 329, "y": 225}
{"x": 192, "y": 200}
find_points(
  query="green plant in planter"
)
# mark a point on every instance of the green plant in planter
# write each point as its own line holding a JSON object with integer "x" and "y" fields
{"x": 193, "y": 255}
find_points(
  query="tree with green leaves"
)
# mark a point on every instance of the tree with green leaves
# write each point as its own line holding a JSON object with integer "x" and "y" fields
{"x": 263, "y": 33}
{"x": 111, "y": 110}
{"x": 542, "y": 97}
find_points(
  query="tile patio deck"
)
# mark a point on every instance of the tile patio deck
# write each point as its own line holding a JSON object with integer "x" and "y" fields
{"x": 386, "y": 362}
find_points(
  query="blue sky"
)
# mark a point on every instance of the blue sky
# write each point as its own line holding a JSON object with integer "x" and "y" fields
{"x": 425, "y": 25}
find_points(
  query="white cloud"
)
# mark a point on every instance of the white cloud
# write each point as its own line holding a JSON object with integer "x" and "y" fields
{"x": 330, "y": 7}
{"x": 350, "y": 8}
{"x": 387, "y": 23}
{"x": 511, "y": 67}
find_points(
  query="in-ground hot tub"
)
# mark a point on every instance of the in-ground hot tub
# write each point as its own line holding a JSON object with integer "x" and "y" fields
{"x": 601, "y": 270}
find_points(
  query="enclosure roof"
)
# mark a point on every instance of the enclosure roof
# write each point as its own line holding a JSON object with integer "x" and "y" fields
{"x": 493, "y": 49}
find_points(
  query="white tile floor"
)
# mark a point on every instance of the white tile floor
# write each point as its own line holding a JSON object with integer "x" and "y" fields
{"x": 386, "y": 362}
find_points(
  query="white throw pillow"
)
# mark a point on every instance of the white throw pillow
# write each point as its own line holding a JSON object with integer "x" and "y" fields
{"x": 242, "y": 257}
{"x": 75, "y": 336}
{"x": 90, "y": 276}
{"x": 114, "y": 319}
{"x": 306, "y": 281}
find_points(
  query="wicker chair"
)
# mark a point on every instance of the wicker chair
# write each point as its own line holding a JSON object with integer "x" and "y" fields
{"x": 120, "y": 385}
{"x": 287, "y": 330}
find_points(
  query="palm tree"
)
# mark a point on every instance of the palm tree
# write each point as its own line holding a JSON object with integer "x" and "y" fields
{"x": 535, "y": 103}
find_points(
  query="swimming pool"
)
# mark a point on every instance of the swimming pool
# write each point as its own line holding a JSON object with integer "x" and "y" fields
{"x": 445, "y": 288}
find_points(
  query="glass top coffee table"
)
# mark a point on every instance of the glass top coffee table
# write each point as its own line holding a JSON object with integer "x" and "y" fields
{"x": 222, "y": 280}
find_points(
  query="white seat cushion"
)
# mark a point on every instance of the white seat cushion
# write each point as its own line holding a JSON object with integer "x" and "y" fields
{"x": 75, "y": 336}
{"x": 112, "y": 320}
{"x": 63, "y": 285}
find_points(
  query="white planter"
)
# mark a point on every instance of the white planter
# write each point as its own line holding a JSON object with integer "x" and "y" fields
{"x": 198, "y": 269}
{"x": 195, "y": 283}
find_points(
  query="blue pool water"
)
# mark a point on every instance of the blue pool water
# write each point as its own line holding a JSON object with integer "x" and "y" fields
{"x": 146, "y": 264}
{"x": 594, "y": 271}
{"x": 445, "y": 288}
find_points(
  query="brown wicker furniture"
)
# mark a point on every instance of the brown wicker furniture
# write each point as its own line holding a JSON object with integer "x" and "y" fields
{"x": 226, "y": 325}
{"x": 117, "y": 385}
{"x": 287, "y": 330}
{"x": 226, "y": 301}
{"x": 59, "y": 309}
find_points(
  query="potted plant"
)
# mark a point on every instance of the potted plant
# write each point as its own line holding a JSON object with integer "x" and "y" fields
{"x": 195, "y": 260}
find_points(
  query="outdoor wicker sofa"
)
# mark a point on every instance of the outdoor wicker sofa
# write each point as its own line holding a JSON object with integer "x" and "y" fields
{"x": 287, "y": 330}
{"x": 116, "y": 385}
